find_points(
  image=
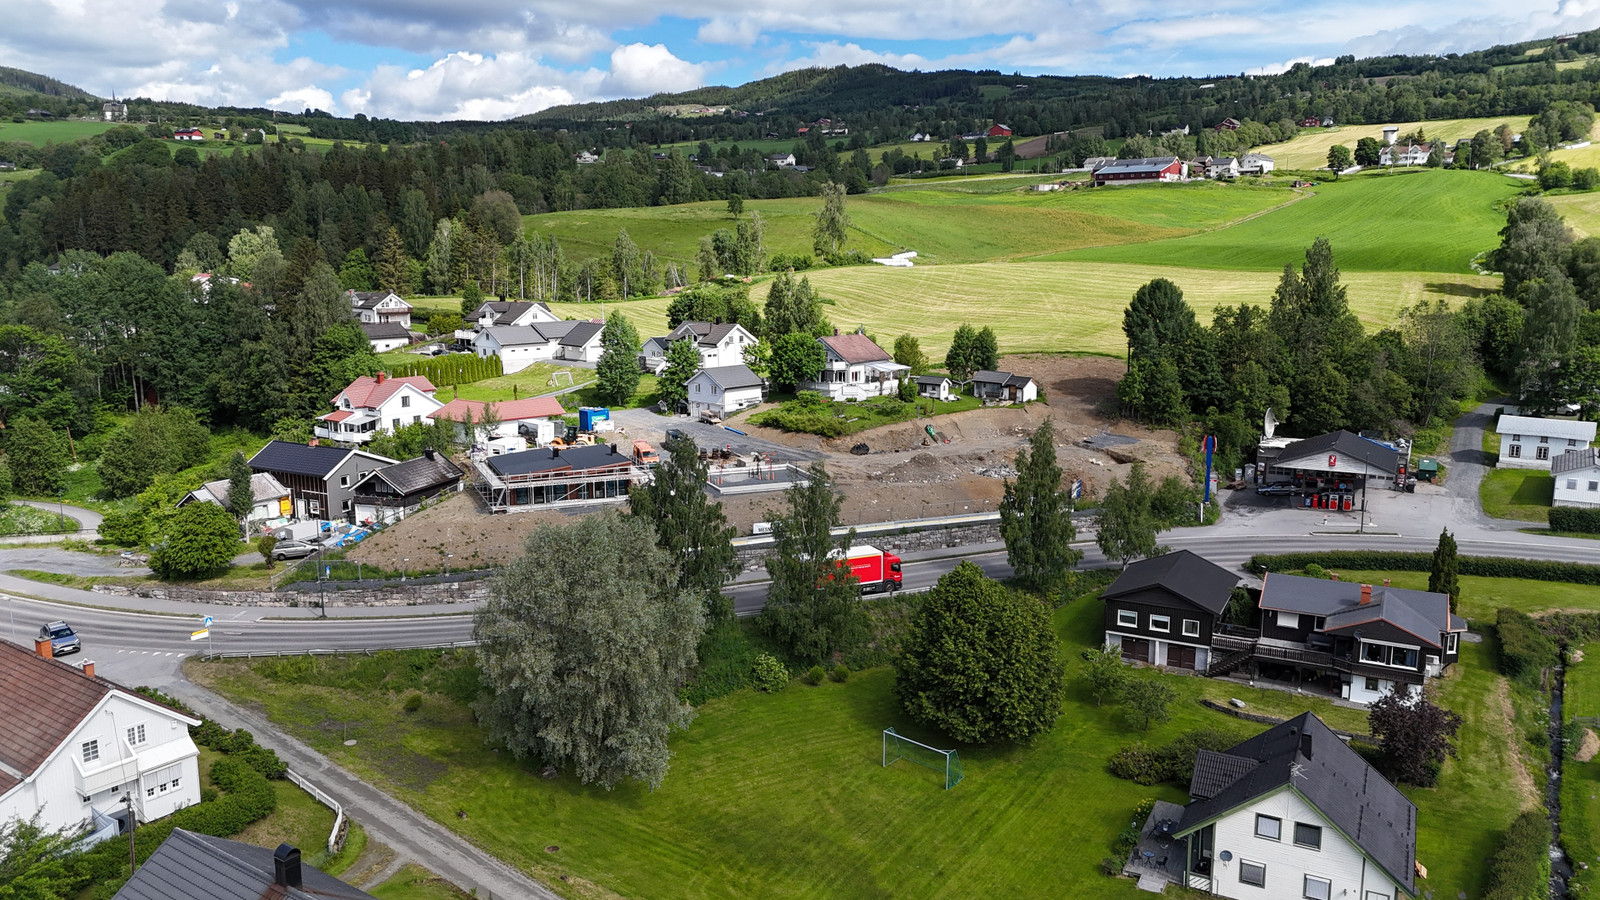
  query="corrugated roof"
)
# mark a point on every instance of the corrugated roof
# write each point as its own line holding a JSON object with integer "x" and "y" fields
{"x": 1572, "y": 460}
{"x": 730, "y": 377}
{"x": 855, "y": 348}
{"x": 303, "y": 459}
{"x": 1150, "y": 165}
{"x": 547, "y": 459}
{"x": 1183, "y": 574}
{"x": 190, "y": 866}
{"x": 1571, "y": 429}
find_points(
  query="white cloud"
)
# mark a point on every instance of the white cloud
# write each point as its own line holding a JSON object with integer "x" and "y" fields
{"x": 308, "y": 97}
{"x": 639, "y": 70}
{"x": 828, "y": 54}
{"x": 1286, "y": 65}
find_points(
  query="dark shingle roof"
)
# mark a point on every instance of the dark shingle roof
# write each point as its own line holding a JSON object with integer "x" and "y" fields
{"x": 1573, "y": 460}
{"x": 930, "y": 379}
{"x": 370, "y": 299}
{"x": 303, "y": 459}
{"x": 385, "y": 330}
{"x": 730, "y": 377}
{"x": 415, "y": 475}
{"x": 581, "y": 333}
{"x": 1183, "y": 574}
{"x": 545, "y": 459}
{"x": 984, "y": 376}
{"x": 1421, "y": 613}
{"x": 1214, "y": 771}
{"x": 1303, "y": 755}
{"x": 706, "y": 334}
{"x": 1342, "y": 443}
{"x": 189, "y": 866}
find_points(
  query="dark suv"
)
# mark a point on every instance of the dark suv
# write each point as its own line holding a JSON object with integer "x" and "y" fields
{"x": 61, "y": 638}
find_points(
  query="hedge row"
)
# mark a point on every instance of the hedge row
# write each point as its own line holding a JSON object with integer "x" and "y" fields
{"x": 1525, "y": 650}
{"x": 1520, "y": 869}
{"x": 453, "y": 368}
{"x": 1393, "y": 561}
{"x": 1172, "y": 762}
{"x": 1579, "y": 520}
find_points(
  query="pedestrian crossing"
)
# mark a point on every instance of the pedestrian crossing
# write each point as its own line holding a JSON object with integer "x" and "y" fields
{"x": 153, "y": 653}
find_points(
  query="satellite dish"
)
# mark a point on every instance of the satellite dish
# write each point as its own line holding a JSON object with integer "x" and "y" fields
{"x": 1269, "y": 423}
{"x": 1225, "y": 855}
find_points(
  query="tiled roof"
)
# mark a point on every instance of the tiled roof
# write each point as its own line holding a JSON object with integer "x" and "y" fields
{"x": 706, "y": 334}
{"x": 338, "y": 415}
{"x": 1183, "y": 574}
{"x": 1214, "y": 771}
{"x": 855, "y": 348}
{"x": 1303, "y": 755}
{"x": 1572, "y": 460}
{"x": 369, "y": 393}
{"x": 508, "y": 410}
{"x": 189, "y": 866}
{"x": 414, "y": 475}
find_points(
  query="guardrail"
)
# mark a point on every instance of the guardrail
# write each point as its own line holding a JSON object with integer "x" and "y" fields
{"x": 365, "y": 651}
{"x": 321, "y": 797}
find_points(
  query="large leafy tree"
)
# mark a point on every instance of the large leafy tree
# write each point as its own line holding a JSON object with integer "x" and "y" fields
{"x": 37, "y": 454}
{"x": 40, "y": 376}
{"x": 1414, "y": 736}
{"x": 1036, "y": 516}
{"x": 1127, "y": 525}
{"x": 980, "y": 663}
{"x": 617, "y": 374}
{"x": 690, "y": 527}
{"x": 1533, "y": 244}
{"x": 584, "y": 642}
{"x": 795, "y": 357}
{"x": 156, "y": 441}
{"x": 683, "y": 360}
{"x": 961, "y": 359}
{"x": 197, "y": 541}
{"x": 34, "y": 861}
{"x": 814, "y": 603}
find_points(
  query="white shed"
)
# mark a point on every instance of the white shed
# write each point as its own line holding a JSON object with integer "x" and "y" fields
{"x": 1577, "y": 474}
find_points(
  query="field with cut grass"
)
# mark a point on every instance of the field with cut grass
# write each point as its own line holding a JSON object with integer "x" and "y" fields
{"x": 1310, "y": 150}
{"x": 1374, "y": 221}
{"x": 60, "y": 132}
{"x": 1580, "y": 798}
{"x": 1581, "y": 211}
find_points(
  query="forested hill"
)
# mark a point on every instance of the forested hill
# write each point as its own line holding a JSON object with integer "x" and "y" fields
{"x": 33, "y": 83}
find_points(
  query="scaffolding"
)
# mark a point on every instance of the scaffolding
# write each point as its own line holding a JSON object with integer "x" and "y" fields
{"x": 553, "y": 490}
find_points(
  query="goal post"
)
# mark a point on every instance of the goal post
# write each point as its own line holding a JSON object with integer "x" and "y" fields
{"x": 946, "y": 762}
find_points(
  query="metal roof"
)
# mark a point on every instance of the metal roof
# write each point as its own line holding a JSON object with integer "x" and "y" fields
{"x": 731, "y": 377}
{"x": 1571, "y": 429}
{"x": 550, "y": 459}
{"x": 303, "y": 459}
{"x": 581, "y": 333}
{"x": 1573, "y": 460}
{"x": 1421, "y": 613}
{"x": 385, "y": 330}
{"x": 1343, "y": 444}
{"x": 1151, "y": 165}
{"x": 190, "y": 866}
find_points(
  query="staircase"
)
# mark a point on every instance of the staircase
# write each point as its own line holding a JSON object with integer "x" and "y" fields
{"x": 1228, "y": 664}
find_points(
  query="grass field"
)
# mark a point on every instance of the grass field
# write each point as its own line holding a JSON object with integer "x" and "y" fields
{"x": 60, "y": 132}
{"x": 413, "y": 882}
{"x": 1310, "y": 151}
{"x": 1581, "y": 212}
{"x": 1480, "y": 597}
{"x": 1521, "y": 494}
{"x": 530, "y": 382}
{"x": 783, "y": 796}
{"x": 1364, "y": 216}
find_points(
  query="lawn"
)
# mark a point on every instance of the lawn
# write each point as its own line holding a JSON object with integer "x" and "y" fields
{"x": 1480, "y": 597}
{"x": 1581, "y": 211}
{"x": 1355, "y": 214}
{"x": 1310, "y": 150}
{"x": 818, "y": 418}
{"x": 533, "y": 381}
{"x": 299, "y": 821}
{"x": 413, "y": 882}
{"x": 1522, "y": 494}
{"x": 782, "y": 795}
{"x": 1580, "y": 800}
{"x": 60, "y": 132}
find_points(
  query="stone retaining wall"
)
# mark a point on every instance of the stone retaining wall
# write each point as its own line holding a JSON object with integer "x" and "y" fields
{"x": 409, "y": 595}
{"x": 899, "y": 544}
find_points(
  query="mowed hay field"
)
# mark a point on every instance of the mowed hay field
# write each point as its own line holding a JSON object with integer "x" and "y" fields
{"x": 1421, "y": 220}
{"x": 1581, "y": 211}
{"x": 40, "y": 133}
{"x": 1309, "y": 150}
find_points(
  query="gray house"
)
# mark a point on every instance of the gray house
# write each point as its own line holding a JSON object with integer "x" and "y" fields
{"x": 321, "y": 480}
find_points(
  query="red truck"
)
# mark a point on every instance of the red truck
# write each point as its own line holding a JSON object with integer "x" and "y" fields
{"x": 875, "y": 569}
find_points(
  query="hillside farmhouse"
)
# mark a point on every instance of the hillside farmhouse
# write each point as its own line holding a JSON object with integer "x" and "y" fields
{"x": 855, "y": 368}
{"x": 1527, "y": 442}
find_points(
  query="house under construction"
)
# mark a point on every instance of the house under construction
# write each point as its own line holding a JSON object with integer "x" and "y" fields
{"x": 556, "y": 476}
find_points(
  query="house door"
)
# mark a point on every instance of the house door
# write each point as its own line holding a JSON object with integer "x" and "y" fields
{"x": 1135, "y": 649}
{"x": 1180, "y": 657}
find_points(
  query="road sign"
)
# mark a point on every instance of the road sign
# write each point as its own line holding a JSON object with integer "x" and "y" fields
{"x": 207, "y": 622}
{"x": 200, "y": 635}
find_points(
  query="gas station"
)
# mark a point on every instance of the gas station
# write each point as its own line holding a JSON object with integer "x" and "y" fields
{"x": 1328, "y": 471}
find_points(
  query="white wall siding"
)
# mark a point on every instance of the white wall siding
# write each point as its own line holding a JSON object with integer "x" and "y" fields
{"x": 1579, "y": 487}
{"x": 1339, "y": 861}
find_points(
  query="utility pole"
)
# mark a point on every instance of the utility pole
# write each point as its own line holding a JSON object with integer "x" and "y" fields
{"x": 133, "y": 821}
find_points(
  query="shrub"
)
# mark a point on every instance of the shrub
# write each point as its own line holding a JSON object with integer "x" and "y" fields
{"x": 1173, "y": 762}
{"x": 1521, "y": 867}
{"x": 413, "y": 702}
{"x": 1397, "y": 561}
{"x": 768, "y": 674}
{"x": 1580, "y": 520}
{"x": 840, "y": 673}
{"x": 1525, "y": 651}
{"x": 813, "y": 676}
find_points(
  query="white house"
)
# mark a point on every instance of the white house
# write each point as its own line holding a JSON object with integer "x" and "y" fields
{"x": 1004, "y": 386}
{"x": 1255, "y": 164}
{"x": 1294, "y": 812}
{"x": 581, "y": 343}
{"x": 373, "y": 307}
{"x": 1577, "y": 474}
{"x": 520, "y": 346}
{"x": 532, "y": 417}
{"x": 386, "y": 336}
{"x": 271, "y": 500}
{"x": 719, "y": 345}
{"x": 374, "y": 403}
{"x": 934, "y": 387}
{"x": 73, "y": 745}
{"x": 1527, "y": 442}
{"x": 722, "y": 391}
{"x": 782, "y": 160}
{"x": 511, "y": 312}
{"x": 855, "y": 368}
{"x": 1225, "y": 167}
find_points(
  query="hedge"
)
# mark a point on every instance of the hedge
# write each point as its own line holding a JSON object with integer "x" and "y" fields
{"x": 1578, "y": 520}
{"x": 1393, "y": 561}
{"x": 1525, "y": 650}
{"x": 1172, "y": 762}
{"x": 453, "y": 368}
{"x": 1520, "y": 869}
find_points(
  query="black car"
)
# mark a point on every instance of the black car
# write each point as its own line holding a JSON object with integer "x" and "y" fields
{"x": 61, "y": 637}
{"x": 678, "y": 434}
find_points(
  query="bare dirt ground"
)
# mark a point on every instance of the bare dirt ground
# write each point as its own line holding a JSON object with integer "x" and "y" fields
{"x": 905, "y": 475}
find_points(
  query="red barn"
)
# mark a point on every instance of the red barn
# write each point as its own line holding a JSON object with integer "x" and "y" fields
{"x": 1000, "y": 131}
{"x": 1229, "y": 124}
{"x": 1140, "y": 171}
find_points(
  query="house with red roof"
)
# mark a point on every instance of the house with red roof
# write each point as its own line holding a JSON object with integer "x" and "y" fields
{"x": 481, "y": 423}
{"x": 73, "y": 745}
{"x": 374, "y": 403}
{"x": 855, "y": 368}
{"x": 188, "y": 134}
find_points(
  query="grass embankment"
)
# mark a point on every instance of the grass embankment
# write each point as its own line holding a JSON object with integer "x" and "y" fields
{"x": 298, "y": 820}
{"x": 413, "y": 882}
{"x": 537, "y": 379}
{"x": 1357, "y": 215}
{"x": 783, "y": 795}
{"x": 1309, "y": 149}
{"x": 16, "y": 519}
{"x": 1580, "y": 781}
{"x": 837, "y": 419}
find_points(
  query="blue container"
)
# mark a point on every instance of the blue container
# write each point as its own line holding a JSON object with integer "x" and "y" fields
{"x": 589, "y": 415}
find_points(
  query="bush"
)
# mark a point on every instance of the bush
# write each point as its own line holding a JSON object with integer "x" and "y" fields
{"x": 768, "y": 674}
{"x": 1173, "y": 762}
{"x": 413, "y": 702}
{"x": 1520, "y": 869}
{"x": 1579, "y": 520}
{"x": 840, "y": 673}
{"x": 1525, "y": 651}
{"x": 813, "y": 676}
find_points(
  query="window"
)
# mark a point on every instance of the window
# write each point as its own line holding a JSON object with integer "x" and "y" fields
{"x": 1572, "y": 442}
{"x": 1374, "y": 653}
{"x": 1252, "y": 873}
{"x": 1288, "y": 620}
{"x": 416, "y": 419}
{"x": 396, "y": 421}
{"x": 1317, "y": 888}
{"x": 1377, "y": 895}
{"x": 1516, "y": 451}
{"x": 149, "y": 792}
{"x": 344, "y": 481}
{"x": 1308, "y": 835}
{"x": 1450, "y": 642}
{"x": 175, "y": 782}
{"x": 136, "y": 734}
{"x": 1544, "y": 438}
{"x": 1128, "y": 618}
{"x": 405, "y": 402}
{"x": 314, "y": 507}
{"x": 1160, "y": 623}
{"x": 1372, "y": 685}
{"x": 1269, "y": 827}
{"x": 1541, "y": 453}
{"x": 164, "y": 786}
{"x": 1191, "y": 627}
{"x": 1572, "y": 484}
{"x": 1594, "y": 485}
{"x": 1516, "y": 439}
{"x": 91, "y": 751}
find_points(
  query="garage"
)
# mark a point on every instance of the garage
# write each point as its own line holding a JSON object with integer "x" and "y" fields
{"x": 1135, "y": 650}
{"x": 1180, "y": 657}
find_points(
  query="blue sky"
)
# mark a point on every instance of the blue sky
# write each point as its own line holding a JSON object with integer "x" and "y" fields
{"x": 495, "y": 59}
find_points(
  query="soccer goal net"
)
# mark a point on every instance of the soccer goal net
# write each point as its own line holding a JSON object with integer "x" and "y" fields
{"x": 945, "y": 762}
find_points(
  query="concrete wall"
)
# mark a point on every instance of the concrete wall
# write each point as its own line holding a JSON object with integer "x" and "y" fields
{"x": 409, "y": 595}
{"x": 899, "y": 544}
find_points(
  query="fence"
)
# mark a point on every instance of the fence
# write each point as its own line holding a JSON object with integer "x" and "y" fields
{"x": 334, "y": 839}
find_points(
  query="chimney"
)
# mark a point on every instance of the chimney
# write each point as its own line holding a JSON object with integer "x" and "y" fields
{"x": 1305, "y": 744}
{"x": 1334, "y": 576}
{"x": 286, "y": 866}
{"x": 382, "y": 376}
{"x": 428, "y": 452}
{"x": 1366, "y": 594}
{"x": 835, "y": 331}
{"x": 44, "y": 648}
{"x": 1386, "y": 582}
{"x": 613, "y": 449}
{"x": 555, "y": 452}
{"x": 88, "y": 667}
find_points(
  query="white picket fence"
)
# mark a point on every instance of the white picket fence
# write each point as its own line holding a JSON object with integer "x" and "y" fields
{"x": 321, "y": 797}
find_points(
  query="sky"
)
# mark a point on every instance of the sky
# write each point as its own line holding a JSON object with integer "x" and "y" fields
{"x": 497, "y": 59}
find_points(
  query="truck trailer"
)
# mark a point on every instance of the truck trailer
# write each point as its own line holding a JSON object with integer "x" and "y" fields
{"x": 875, "y": 569}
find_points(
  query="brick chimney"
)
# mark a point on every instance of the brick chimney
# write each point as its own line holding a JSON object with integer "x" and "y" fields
{"x": 382, "y": 376}
{"x": 88, "y": 667}
{"x": 1386, "y": 582}
{"x": 1366, "y": 594}
{"x": 44, "y": 648}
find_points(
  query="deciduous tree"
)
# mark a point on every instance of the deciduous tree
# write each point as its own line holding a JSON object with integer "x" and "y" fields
{"x": 683, "y": 360}
{"x": 1339, "y": 159}
{"x": 689, "y": 526}
{"x": 38, "y": 457}
{"x": 832, "y": 226}
{"x": 197, "y": 541}
{"x": 1414, "y": 736}
{"x": 1127, "y": 525}
{"x": 34, "y": 861}
{"x": 814, "y": 603}
{"x": 980, "y": 663}
{"x": 584, "y": 642}
{"x": 1147, "y": 701}
{"x": 156, "y": 441}
{"x": 1103, "y": 673}
{"x": 796, "y": 357}
{"x": 1036, "y": 517}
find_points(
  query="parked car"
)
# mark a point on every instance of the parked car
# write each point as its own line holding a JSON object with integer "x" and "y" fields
{"x": 61, "y": 637}
{"x": 678, "y": 434}
{"x": 294, "y": 550}
{"x": 1282, "y": 489}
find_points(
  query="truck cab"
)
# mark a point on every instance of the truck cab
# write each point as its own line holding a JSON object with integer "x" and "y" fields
{"x": 644, "y": 454}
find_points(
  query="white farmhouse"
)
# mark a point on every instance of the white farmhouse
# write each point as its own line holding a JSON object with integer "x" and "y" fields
{"x": 1577, "y": 475}
{"x": 373, "y": 307}
{"x": 719, "y": 344}
{"x": 722, "y": 391}
{"x": 1255, "y": 164}
{"x": 374, "y": 403}
{"x": 855, "y": 368}
{"x": 1527, "y": 442}
{"x": 72, "y": 746}
{"x": 520, "y": 346}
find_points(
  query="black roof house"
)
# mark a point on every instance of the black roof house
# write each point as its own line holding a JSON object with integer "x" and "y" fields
{"x": 428, "y": 472}
{"x": 189, "y": 866}
{"x": 1182, "y": 575}
{"x": 304, "y": 459}
{"x": 1302, "y": 755}
{"x": 1343, "y": 444}
{"x": 1344, "y": 605}
{"x": 556, "y": 459}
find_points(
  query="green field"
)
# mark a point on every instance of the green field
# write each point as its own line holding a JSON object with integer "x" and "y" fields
{"x": 1480, "y": 596}
{"x": 60, "y": 132}
{"x": 1310, "y": 150}
{"x": 1424, "y": 220}
{"x": 1580, "y": 800}
{"x": 1581, "y": 212}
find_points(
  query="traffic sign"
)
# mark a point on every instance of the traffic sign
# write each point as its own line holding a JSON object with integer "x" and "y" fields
{"x": 200, "y": 635}
{"x": 207, "y": 622}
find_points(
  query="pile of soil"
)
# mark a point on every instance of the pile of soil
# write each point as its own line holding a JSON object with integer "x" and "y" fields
{"x": 1588, "y": 746}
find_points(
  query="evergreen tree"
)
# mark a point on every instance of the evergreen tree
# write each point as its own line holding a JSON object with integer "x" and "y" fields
{"x": 814, "y": 603}
{"x": 1444, "y": 573}
{"x": 391, "y": 264}
{"x": 688, "y": 524}
{"x": 617, "y": 374}
{"x": 683, "y": 360}
{"x": 355, "y": 273}
{"x": 908, "y": 352}
{"x": 1036, "y": 517}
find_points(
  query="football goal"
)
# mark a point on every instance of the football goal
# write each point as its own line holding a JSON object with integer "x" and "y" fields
{"x": 945, "y": 762}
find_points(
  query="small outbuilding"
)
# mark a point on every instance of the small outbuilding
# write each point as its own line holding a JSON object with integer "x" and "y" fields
{"x": 1577, "y": 474}
{"x": 1004, "y": 387}
{"x": 933, "y": 387}
{"x": 389, "y": 494}
{"x": 721, "y": 391}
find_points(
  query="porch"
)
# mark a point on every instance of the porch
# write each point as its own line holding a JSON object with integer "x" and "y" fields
{"x": 1158, "y": 859}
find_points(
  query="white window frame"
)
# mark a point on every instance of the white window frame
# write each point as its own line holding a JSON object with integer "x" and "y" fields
{"x": 1299, "y": 843}
{"x": 405, "y": 401}
{"x": 344, "y": 481}
{"x": 136, "y": 734}
{"x": 1288, "y": 619}
{"x": 1452, "y": 641}
{"x": 1162, "y": 624}
{"x": 1325, "y": 883}
{"x": 1515, "y": 451}
{"x": 1372, "y": 685}
{"x": 1541, "y": 453}
{"x": 91, "y": 750}
{"x": 1377, "y": 895}
{"x": 1189, "y": 631}
{"x": 1277, "y": 827}
{"x": 1122, "y": 621}
{"x": 1243, "y": 864}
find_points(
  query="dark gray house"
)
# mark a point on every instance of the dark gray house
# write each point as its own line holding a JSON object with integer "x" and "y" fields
{"x": 1164, "y": 610}
{"x": 391, "y": 493}
{"x": 189, "y": 866}
{"x": 321, "y": 480}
